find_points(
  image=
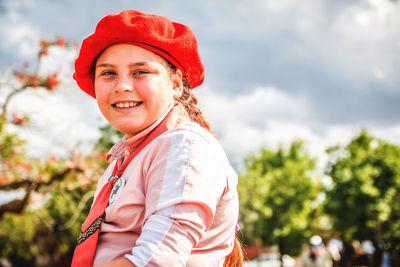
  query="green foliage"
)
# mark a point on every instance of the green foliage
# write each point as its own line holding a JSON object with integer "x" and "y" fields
{"x": 276, "y": 196}
{"x": 17, "y": 246}
{"x": 364, "y": 199}
{"x": 9, "y": 142}
{"x": 49, "y": 227}
{"x": 108, "y": 138}
{"x": 41, "y": 228}
{"x": 58, "y": 194}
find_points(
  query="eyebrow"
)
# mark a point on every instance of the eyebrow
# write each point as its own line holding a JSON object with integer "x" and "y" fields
{"x": 107, "y": 65}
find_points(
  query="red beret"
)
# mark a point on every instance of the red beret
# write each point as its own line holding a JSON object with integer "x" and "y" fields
{"x": 173, "y": 41}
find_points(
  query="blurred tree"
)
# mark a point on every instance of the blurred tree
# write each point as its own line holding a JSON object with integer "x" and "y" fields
{"x": 26, "y": 80}
{"x": 17, "y": 170}
{"x": 45, "y": 234}
{"x": 276, "y": 195}
{"x": 109, "y": 136}
{"x": 364, "y": 199}
{"x": 40, "y": 229}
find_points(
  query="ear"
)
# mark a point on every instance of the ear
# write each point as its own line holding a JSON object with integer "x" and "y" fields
{"x": 177, "y": 84}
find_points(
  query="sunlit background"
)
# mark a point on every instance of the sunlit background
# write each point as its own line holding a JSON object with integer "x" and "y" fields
{"x": 276, "y": 71}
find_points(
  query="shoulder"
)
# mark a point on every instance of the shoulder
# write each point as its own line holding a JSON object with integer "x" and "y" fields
{"x": 187, "y": 141}
{"x": 191, "y": 134}
{"x": 192, "y": 153}
{"x": 194, "y": 132}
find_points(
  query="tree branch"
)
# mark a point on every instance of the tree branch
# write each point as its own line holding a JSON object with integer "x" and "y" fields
{"x": 8, "y": 98}
{"x": 15, "y": 185}
{"x": 18, "y": 205}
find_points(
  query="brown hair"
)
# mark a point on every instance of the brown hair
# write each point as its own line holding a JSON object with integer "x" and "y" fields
{"x": 235, "y": 259}
{"x": 189, "y": 101}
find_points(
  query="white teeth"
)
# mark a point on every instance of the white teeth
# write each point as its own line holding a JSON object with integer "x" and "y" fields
{"x": 127, "y": 104}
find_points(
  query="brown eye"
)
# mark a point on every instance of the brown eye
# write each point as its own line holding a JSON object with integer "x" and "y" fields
{"x": 140, "y": 72}
{"x": 107, "y": 73}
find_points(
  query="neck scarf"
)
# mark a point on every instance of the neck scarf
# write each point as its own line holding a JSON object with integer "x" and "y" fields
{"x": 87, "y": 241}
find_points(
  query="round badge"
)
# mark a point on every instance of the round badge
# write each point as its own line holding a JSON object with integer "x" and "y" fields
{"x": 119, "y": 185}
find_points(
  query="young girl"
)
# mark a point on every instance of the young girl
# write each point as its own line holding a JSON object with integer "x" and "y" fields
{"x": 168, "y": 197}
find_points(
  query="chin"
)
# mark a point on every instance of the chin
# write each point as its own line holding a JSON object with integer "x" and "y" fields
{"x": 131, "y": 131}
{"x": 128, "y": 126}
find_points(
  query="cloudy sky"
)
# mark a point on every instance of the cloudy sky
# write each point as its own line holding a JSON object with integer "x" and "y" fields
{"x": 276, "y": 70}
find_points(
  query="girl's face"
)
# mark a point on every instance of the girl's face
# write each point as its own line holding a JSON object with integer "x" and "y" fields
{"x": 134, "y": 87}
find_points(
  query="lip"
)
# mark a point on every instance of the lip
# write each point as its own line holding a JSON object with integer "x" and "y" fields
{"x": 126, "y": 105}
{"x": 125, "y": 101}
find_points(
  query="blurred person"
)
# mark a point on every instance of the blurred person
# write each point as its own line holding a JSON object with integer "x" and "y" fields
{"x": 318, "y": 255}
{"x": 348, "y": 254}
{"x": 357, "y": 247}
{"x": 369, "y": 250}
{"x": 168, "y": 197}
{"x": 379, "y": 254}
{"x": 335, "y": 248}
{"x": 363, "y": 253}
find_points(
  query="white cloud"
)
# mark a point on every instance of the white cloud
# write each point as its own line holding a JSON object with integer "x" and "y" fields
{"x": 356, "y": 42}
{"x": 371, "y": 21}
{"x": 390, "y": 133}
{"x": 18, "y": 35}
{"x": 378, "y": 72}
{"x": 279, "y": 6}
{"x": 62, "y": 120}
{"x": 366, "y": 35}
{"x": 60, "y": 60}
{"x": 262, "y": 104}
{"x": 269, "y": 117}
{"x": 266, "y": 116}
{"x": 56, "y": 126}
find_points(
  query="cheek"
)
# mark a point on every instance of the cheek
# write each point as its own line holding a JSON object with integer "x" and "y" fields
{"x": 155, "y": 93}
{"x": 101, "y": 88}
{"x": 102, "y": 96}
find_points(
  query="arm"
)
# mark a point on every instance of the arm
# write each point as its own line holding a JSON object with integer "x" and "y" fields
{"x": 183, "y": 186}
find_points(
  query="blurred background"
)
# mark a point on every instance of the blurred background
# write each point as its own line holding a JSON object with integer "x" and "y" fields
{"x": 303, "y": 95}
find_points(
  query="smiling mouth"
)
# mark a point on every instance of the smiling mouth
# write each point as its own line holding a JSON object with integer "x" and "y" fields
{"x": 127, "y": 104}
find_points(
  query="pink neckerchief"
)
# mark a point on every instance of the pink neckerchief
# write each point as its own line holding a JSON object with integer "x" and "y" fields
{"x": 124, "y": 147}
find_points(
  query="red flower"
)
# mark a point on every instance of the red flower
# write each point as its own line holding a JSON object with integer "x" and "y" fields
{"x": 3, "y": 180}
{"x": 18, "y": 119}
{"x": 44, "y": 52}
{"x": 34, "y": 81}
{"x": 60, "y": 41}
{"x": 23, "y": 165}
{"x": 20, "y": 76}
{"x": 44, "y": 43}
{"x": 51, "y": 160}
{"x": 53, "y": 82}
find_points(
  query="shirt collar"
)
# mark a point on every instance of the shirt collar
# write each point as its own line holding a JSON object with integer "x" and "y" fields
{"x": 125, "y": 146}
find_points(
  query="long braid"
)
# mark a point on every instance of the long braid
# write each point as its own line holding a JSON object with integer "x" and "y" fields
{"x": 235, "y": 258}
{"x": 189, "y": 101}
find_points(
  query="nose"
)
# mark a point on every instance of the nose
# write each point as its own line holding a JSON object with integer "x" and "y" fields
{"x": 124, "y": 85}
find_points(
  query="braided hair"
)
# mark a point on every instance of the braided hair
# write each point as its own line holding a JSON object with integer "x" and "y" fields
{"x": 189, "y": 101}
